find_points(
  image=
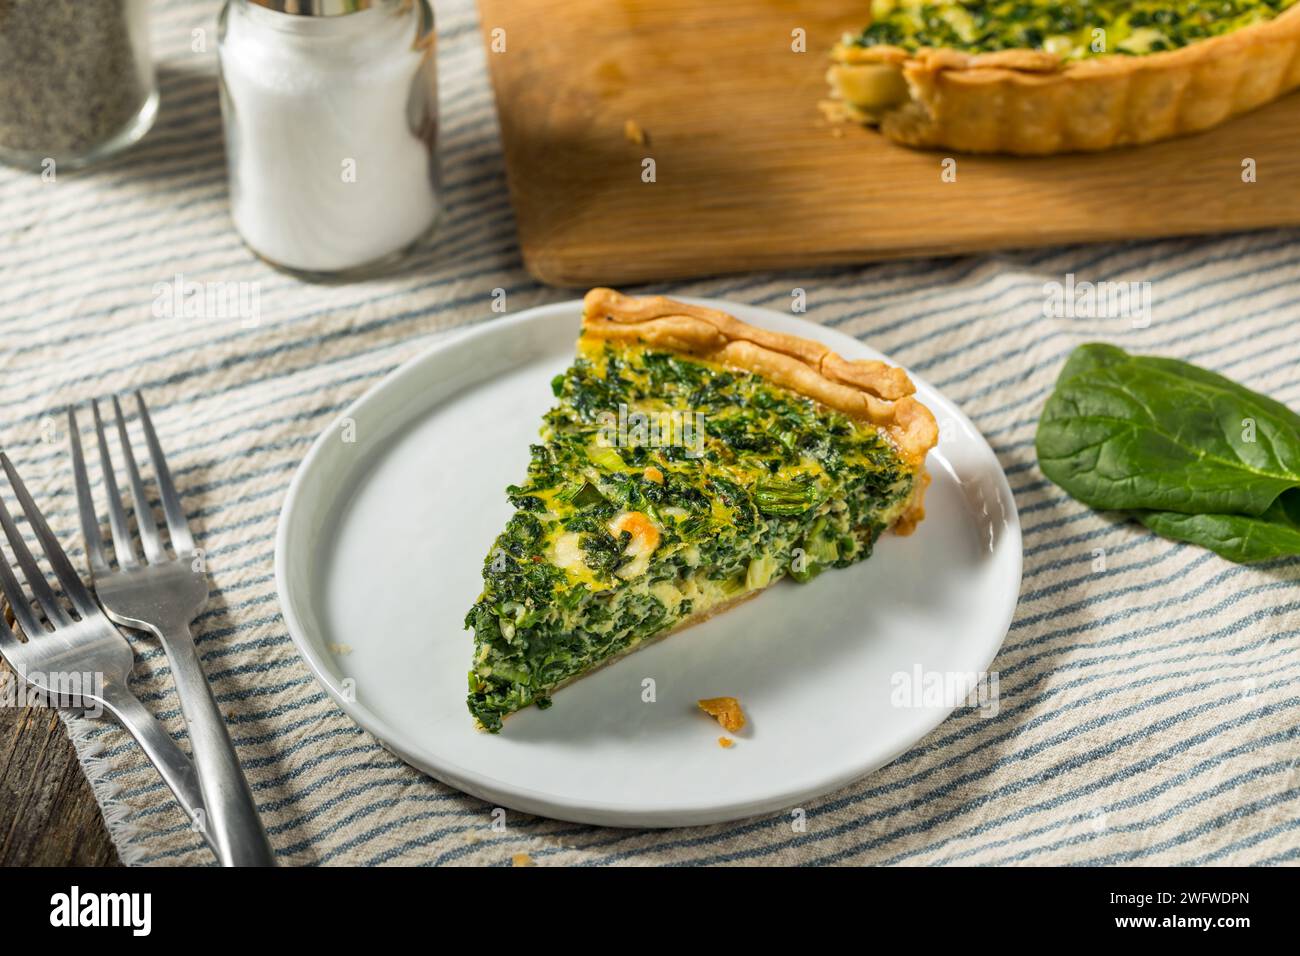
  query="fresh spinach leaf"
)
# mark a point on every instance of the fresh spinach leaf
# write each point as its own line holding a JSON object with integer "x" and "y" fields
{"x": 1136, "y": 432}
{"x": 1242, "y": 538}
{"x": 1196, "y": 456}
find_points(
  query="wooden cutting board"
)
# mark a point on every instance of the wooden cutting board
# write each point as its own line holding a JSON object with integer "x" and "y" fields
{"x": 748, "y": 175}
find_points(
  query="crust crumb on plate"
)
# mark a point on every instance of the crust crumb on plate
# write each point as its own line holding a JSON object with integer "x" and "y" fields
{"x": 633, "y": 132}
{"x": 725, "y": 743}
{"x": 727, "y": 711}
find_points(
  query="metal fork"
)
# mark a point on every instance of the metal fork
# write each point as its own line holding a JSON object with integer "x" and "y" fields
{"x": 163, "y": 595}
{"x": 82, "y": 662}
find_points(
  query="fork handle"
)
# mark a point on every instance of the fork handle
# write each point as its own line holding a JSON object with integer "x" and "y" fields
{"x": 176, "y": 769}
{"x": 231, "y": 813}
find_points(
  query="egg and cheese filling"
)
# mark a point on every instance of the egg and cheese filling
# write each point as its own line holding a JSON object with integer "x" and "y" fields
{"x": 664, "y": 487}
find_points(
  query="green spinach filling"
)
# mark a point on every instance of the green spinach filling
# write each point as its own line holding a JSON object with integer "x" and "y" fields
{"x": 1075, "y": 29}
{"x": 664, "y": 487}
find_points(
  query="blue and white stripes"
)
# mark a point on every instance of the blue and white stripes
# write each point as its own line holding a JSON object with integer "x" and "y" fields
{"x": 1150, "y": 707}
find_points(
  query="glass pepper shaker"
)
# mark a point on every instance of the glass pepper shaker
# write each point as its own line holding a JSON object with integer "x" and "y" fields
{"x": 330, "y": 111}
{"x": 77, "y": 81}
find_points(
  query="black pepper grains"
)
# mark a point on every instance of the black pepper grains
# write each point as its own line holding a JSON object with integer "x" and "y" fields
{"x": 76, "y": 78}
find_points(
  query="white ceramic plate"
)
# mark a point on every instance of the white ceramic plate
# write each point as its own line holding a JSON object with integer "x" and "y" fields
{"x": 378, "y": 558}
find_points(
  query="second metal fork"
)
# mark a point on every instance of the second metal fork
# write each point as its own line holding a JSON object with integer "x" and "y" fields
{"x": 163, "y": 594}
{"x": 81, "y": 662}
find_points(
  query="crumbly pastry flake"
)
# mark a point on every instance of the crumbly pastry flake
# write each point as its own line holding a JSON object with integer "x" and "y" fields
{"x": 726, "y": 711}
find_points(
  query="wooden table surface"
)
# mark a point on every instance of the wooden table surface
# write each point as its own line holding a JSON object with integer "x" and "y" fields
{"x": 48, "y": 815}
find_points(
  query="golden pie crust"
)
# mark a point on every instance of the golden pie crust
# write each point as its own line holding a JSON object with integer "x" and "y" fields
{"x": 1028, "y": 102}
{"x": 870, "y": 390}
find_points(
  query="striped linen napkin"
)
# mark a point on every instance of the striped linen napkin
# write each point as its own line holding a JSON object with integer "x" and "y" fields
{"x": 1150, "y": 692}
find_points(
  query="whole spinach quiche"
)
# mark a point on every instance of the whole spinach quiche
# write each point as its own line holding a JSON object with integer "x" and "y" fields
{"x": 690, "y": 461}
{"x": 1050, "y": 76}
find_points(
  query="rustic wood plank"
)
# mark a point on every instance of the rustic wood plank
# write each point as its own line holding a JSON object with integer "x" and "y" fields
{"x": 749, "y": 176}
{"x": 48, "y": 815}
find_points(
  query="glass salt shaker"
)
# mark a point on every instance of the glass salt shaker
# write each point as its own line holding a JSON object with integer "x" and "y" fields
{"x": 77, "y": 81}
{"x": 331, "y": 117}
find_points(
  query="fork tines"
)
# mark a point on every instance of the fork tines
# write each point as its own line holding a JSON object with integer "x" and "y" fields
{"x": 43, "y": 594}
{"x": 150, "y": 537}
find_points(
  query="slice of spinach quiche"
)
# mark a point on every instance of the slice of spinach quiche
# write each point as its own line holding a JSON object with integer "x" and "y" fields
{"x": 690, "y": 461}
{"x": 1050, "y": 76}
